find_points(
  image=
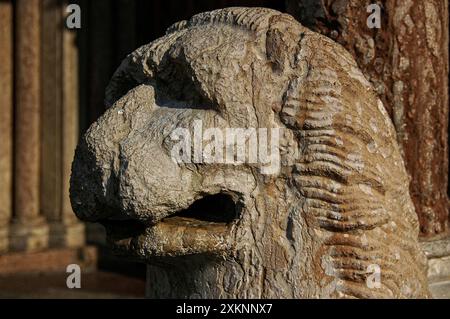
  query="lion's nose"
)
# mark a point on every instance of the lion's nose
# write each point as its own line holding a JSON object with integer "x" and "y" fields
{"x": 94, "y": 184}
{"x": 85, "y": 186}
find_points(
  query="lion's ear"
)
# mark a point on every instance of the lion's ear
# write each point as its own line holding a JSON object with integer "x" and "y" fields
{"x": 281, "y": 41}
{"x": 290, "y": 109}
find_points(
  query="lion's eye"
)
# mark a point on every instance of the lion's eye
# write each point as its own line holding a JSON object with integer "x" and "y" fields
{"x": 174, "y": 81}
{"x": 176, "y": 85}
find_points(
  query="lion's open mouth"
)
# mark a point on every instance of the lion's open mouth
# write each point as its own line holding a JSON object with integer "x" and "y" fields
{"x": 203, "y": 227}
{"x": 217, "y": 208}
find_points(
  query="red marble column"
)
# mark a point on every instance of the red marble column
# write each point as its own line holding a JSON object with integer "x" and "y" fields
{"x": 406, "y": 60}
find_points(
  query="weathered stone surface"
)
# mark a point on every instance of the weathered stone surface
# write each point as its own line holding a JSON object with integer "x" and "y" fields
{"x": 406, "y": 60}
{"x": 440, "y": 289}
{"x": 436, "y": 248}
{"x": 338, "y": 206}
{"x": 438, "y": 254}
{"x": 438, "y": 268}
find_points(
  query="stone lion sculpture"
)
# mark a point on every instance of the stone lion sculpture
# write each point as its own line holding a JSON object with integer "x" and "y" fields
{"x": 334, "y": 219}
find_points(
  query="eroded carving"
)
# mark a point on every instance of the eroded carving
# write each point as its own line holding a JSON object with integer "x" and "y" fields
{"x": 338, "y": 207}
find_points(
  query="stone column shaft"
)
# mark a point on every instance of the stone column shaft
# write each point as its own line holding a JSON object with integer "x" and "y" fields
{"x": 59, "y": 77}
{"x": 74, "y": 232}
{"x": 6, "y": 118}
{"x": 29, "y": 231}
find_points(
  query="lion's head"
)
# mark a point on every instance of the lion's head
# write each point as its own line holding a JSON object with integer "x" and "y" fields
{"x": 325, "y": 208}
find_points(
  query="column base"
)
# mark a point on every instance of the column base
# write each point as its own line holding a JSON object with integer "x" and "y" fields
{"x": 28, "y": 237}
{"x": 4, "y": 239}
{"x": 68, "y": 235}
{"x": 48, "y": 260}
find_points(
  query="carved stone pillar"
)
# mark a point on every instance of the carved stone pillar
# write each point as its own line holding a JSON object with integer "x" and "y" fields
{"x": 29, "y": 230}
{"x": 73, "y": 231}
{"x": 60, "y": 122}
{"x": 407, "y": 62}
{"x": 6, "y": 125}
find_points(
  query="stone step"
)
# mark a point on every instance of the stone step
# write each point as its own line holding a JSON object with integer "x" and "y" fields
{"x": 440, "y": 289}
